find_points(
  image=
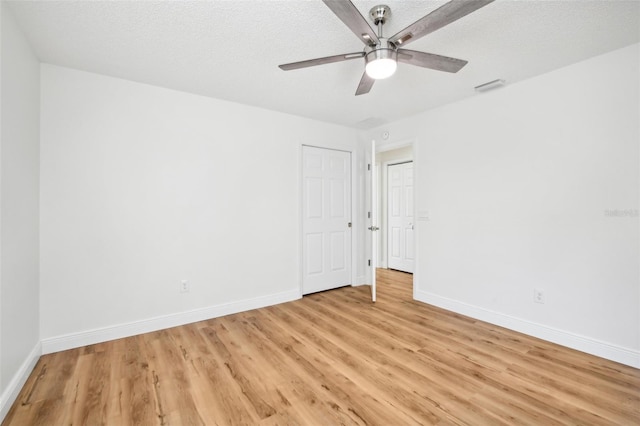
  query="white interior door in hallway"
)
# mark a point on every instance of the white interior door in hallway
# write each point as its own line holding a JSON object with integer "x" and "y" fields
{"x": 326, "y": 219}
{"x": 400, "y": 217}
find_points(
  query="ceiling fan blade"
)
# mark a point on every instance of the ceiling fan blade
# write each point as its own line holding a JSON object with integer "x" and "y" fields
{"x": 429, "y": 60}
{"x": 366, "y": 83}
{"x": 437, "y": 19}
{"x": 349, "y": 14}
{"x": 321, "y": 61}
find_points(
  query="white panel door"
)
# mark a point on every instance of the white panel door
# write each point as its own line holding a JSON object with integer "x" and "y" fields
{"x": 400, "y": 217}
{"x": 326, "y": 219}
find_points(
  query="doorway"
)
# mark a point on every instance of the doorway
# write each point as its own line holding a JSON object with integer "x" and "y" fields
{"x": 326, "y": 219}
{"x": 400, "y": 227}
{"x": 386, "y": 159}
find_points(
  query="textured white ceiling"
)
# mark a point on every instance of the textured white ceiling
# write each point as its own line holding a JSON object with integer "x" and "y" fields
{"x": 231, "y": 49}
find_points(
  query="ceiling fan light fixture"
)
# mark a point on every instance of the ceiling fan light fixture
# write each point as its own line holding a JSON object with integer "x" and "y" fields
{"x": 381, "y": 53}
{"x": 381, "y": 63}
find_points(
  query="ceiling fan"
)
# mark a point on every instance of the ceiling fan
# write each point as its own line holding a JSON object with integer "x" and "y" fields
{"x": 381, "y": 54}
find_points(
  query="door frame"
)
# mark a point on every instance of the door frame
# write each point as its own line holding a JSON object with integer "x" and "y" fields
{"x": 355, "y": 223}
{"x": 385, "y": 225}
{"x": 383, "y": 147}
{"x": 384, "y": 201}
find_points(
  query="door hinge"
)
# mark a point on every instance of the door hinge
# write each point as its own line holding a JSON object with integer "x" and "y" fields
{"x": 368, "y": 166}
{"x": 369, "y": 262}
{"x": 368, "y": 215}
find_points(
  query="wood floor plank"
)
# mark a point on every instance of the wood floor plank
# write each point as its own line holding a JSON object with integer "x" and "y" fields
{"x": 325, "y": 362}
{"x": 299, "y": 385}
{"x": 384, "y": 355}
{"x": 330, "y": 358}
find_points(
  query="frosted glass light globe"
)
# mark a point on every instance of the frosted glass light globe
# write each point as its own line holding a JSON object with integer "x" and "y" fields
{"x": 381, "y": 60}
{"x": 381, "y": 68}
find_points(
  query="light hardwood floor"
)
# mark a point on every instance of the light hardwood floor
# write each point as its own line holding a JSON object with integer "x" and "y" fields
{"x": 330, "y": 358}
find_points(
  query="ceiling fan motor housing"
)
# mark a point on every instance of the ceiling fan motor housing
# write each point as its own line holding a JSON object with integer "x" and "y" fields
{"x": 384, "y": 50}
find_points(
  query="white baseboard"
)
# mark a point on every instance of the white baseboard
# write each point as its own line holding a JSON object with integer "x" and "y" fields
{"x": 89, "y": 337}
{"x": 14, "y": 387}
{"x": 575, "y": 341}
{"x": 360, "y": 280}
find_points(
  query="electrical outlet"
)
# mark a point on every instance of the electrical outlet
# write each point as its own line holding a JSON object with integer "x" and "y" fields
{"x": 538, "y": 295}
{"x": 184, "y": 286}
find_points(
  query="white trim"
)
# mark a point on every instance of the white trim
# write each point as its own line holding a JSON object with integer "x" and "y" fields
{"x": 300, "y": 220}
{"x": 396, "y": 162}
{"x": 418, "y": 223}
{"x": 586, "y": 344}
{"x": 89, "y": 337}
{"x": 14, "y": 387}
{"x": 383, "y": 147}
{"x": 360, "y": 280}
{"x": 355, "y": 221}
{"x": 384, "y": 195}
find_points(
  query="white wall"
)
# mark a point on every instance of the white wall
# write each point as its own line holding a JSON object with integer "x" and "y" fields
{"x": 19, "y": 146}
{"x": 142, "y": 187}
{"x": 518, "y": 184}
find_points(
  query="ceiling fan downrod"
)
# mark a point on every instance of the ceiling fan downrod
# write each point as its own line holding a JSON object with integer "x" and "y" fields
{"x": 379, "y": 15}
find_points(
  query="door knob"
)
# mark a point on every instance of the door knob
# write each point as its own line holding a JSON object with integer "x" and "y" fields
{"x": 373, "y": 228}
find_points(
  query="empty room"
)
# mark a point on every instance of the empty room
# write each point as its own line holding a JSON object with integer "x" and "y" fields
{"x": 319, "y": 212}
